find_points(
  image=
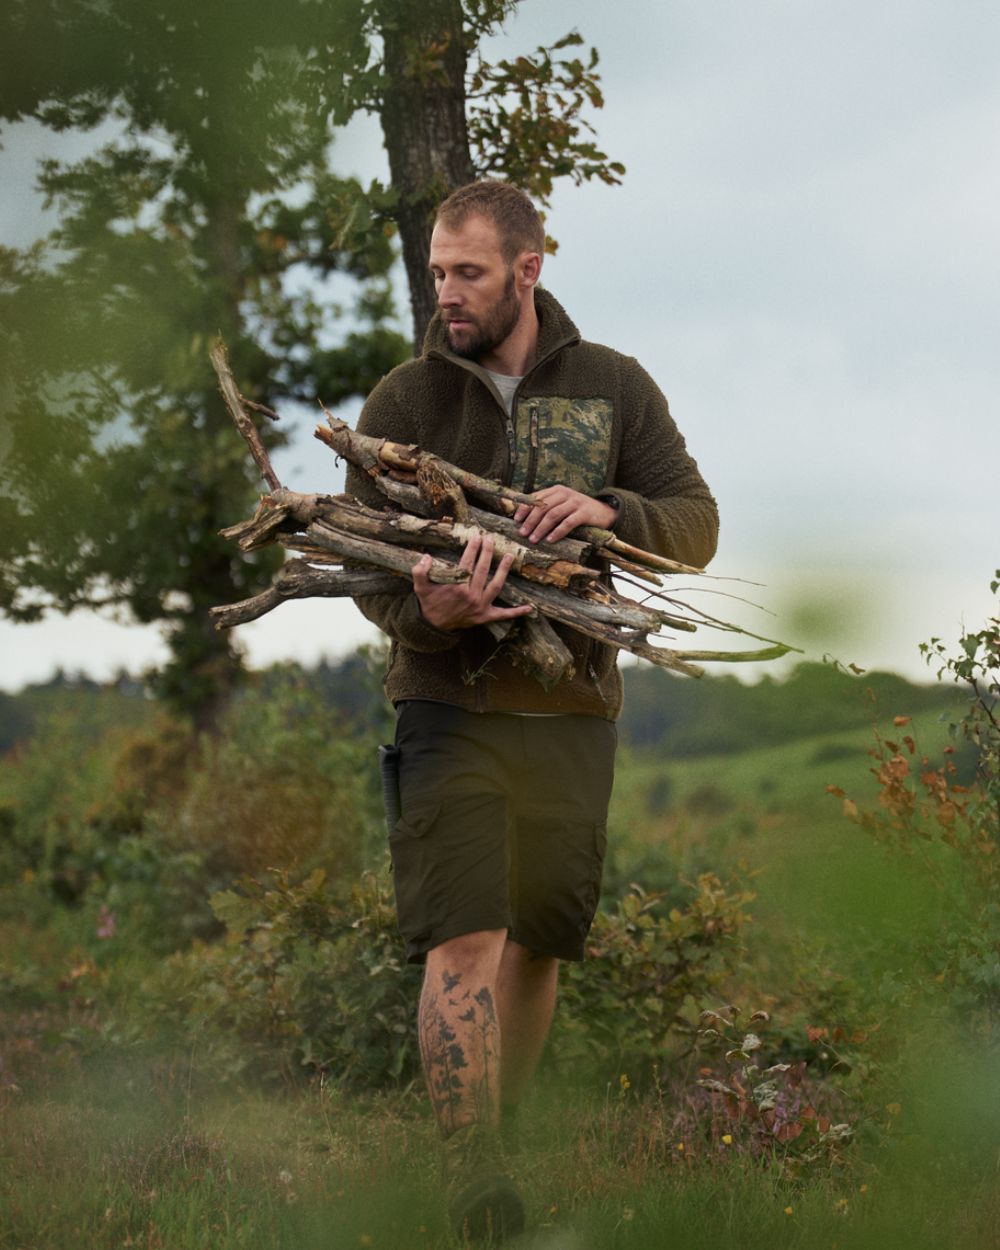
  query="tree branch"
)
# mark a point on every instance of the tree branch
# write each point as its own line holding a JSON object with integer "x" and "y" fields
{"x": 234, "y": 402}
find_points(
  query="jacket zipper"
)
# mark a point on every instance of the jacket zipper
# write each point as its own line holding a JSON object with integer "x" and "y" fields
{"x": 509, "y": 429}
{"x": 511, "y": 442}
{"x": 529, "y": 477}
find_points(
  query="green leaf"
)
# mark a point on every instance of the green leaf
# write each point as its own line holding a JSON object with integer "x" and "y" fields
{"x": 236, "y": 912}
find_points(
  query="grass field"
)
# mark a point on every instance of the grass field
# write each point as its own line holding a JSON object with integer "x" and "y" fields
{"x": 110, "y": 1138}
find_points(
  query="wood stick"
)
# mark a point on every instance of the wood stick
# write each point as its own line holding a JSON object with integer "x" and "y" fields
{"x": 373, "y": 455}
{"x": 536, "y": 648}
{"x": 297, "y": 580}
{"x": 569, "y": 609}
{"x": 234, "y": 402}
{"x": 559, "y": 581}
{"x": 535, "y": 563}
{"x": 376, "y": 454}
{"x": 410, "y": 498}
{"x": 382, "y": 555}
{"x": 617, "y": 547}
{"x": 285, "y": 511}
{"x": 734, "y": 657}
{"x": 603, "y": 630}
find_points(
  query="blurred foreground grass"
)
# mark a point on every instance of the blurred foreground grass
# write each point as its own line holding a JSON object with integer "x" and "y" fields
{"x": 111, "y": 1135}
{"x": 136, "y": 1157}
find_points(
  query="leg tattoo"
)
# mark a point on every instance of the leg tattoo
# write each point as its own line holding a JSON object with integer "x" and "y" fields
{"x": 460, "y": 1049}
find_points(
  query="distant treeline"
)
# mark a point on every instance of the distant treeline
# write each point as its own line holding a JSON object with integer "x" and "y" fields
{"x": 675, "y": 715}
{"x": 719, "y": 715}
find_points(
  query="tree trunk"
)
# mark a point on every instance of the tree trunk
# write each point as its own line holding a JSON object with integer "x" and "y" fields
{"x": 423, "y": 123}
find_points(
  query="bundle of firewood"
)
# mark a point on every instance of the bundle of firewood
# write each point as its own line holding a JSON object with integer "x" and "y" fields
{"x": 348, "y": 549}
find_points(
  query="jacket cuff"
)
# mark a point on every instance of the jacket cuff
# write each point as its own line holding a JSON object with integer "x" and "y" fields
{"x": 630, "y": 523}
{"x": 413, "y": 631}
{"x": 613, "y": 500}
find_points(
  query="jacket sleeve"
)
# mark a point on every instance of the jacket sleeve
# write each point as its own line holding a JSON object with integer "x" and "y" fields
{"x": 396, "y": 615}
{"x": 666, "y": 507}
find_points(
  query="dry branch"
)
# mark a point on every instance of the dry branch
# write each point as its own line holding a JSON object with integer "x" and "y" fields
{"x": 235, "y": 403}
{"x": 298, "y": 580}
{"x": 429, "y": 513}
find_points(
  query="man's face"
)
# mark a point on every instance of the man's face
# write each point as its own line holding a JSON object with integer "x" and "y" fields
{"x": 475, "y": 287}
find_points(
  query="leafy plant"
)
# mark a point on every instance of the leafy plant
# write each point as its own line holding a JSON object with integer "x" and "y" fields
{"x": 304, "y": 983}
{"x": 765, "y": 1109}
{"x": 629, "y": 1004}
{"x": 946, "y": 830}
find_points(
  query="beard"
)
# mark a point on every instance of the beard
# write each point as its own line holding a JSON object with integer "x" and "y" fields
{"x": 489, "y": 331}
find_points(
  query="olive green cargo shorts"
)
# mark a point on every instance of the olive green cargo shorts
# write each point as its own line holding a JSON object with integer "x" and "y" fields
{"x": 503, "y": 826}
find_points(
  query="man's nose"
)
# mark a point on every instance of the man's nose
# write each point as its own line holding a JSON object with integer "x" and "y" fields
{"x": 448, "y": 294}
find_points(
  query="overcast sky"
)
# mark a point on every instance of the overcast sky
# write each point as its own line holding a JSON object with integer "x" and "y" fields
{"x": 804, "y": 254}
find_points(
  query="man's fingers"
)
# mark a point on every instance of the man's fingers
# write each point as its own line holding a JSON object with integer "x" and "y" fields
{"x": 496, "y": 582}
{"x": 483, "y": 561}
{"x": 533, "y": 518}
{"x": 552, "y": 522}
{"x": 505, "y": 614}
{"x": 421, "y": 571}
{"x": 565, "y": 526}
{"x": 470, "y": 554}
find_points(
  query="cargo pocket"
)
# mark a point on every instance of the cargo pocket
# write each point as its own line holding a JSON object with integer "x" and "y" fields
{"x": 421, "y": 894}
{"x": 593, "y": 893}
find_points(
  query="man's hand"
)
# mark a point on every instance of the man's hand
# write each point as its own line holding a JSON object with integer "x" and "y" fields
{"x": 468, "y": 603}
{"x": 565, "y": 509}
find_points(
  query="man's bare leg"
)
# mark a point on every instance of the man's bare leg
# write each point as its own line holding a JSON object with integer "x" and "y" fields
{"x": 460, "y": 1031}
{"x": 460, "y": 1048}
{"x": 525, "y": 1000}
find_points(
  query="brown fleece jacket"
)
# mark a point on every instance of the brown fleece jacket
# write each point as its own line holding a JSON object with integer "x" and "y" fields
{"x": 584, "y": 416}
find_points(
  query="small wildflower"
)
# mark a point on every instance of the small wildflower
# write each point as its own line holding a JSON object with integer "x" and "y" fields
{"x": 285, "y": 1176}
{"x": 624, "y": 1082}
{"x": 628, "y": 1214}
{"x": 366, "y": 1239}
{"x": 789, "y": 1210}
{"x": 863, "y": 1189}
{"x": 894, "y": 1108}
{"x": 680, "y": 1145}
{"x": 841, "y": 1206}
{"x": 727, "y": 1139}
{"x": 421, "y": 1228}
{"x": 107, "y": 922}
{"x": 554, "y": 1210}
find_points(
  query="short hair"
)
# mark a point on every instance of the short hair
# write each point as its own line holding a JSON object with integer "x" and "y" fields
{"x": 518, "y": 224}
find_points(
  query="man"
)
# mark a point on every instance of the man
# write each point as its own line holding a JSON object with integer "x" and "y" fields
{"x": 504, "y": 787}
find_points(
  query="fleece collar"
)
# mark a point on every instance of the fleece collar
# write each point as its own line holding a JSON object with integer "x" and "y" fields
{"x": 555, "y": 331}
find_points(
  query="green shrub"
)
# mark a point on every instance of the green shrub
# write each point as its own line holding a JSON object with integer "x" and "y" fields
{"x": 304, "y": 983}
{"x": 636, "y": 996}
{"x": 311, "y": 981}
{"x": 149, "y": 820}
{"x": 283, "y": 784}
{"x": 945, "y": 826}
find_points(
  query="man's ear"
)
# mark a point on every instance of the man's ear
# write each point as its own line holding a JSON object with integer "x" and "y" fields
{"x": 529, "y": 268}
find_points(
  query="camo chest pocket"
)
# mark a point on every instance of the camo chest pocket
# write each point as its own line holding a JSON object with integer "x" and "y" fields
{"x": 572, "y": 441}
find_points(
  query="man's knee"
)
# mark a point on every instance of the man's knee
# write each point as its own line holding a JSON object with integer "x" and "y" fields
{"x": 528, "y": 962}
{"x": 482, "y": 950}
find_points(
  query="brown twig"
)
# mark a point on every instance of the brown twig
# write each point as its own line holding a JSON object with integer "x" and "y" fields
{"x": 235, "y": 403}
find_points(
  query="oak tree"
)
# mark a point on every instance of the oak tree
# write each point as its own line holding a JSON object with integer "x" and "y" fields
{"x": 207, "y": 204}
